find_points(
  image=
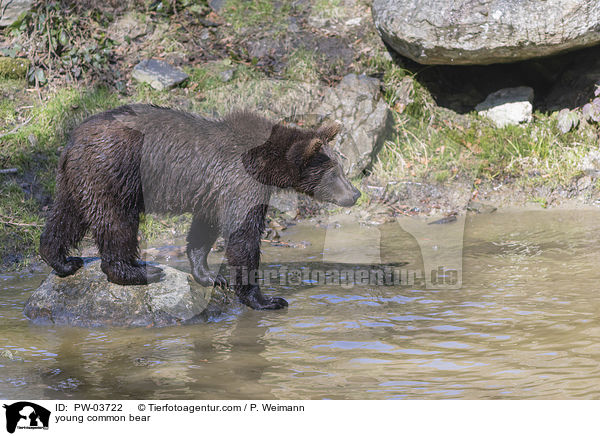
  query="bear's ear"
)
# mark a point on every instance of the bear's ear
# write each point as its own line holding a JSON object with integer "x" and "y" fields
{"x": 328, "y": 130}
{"x": 314, "y": 146}
{"x": 301, "y": 152}
{"x": 277, "y": 134}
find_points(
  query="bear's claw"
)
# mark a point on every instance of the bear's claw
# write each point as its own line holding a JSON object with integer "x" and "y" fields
{"x": 71, "y": 266}
{"x": 154, "y": 274}
{"x": 211, "y": 279}
{"x": 264, "y": 303}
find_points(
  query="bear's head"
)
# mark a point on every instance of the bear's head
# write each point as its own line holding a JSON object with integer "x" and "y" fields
{"x": 301, "y": 159}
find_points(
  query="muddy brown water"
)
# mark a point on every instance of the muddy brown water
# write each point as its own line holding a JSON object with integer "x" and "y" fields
{"x": 524, "y": 324}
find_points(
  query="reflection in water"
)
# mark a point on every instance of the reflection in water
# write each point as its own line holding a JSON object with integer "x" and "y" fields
{"x": 524, "y": 324}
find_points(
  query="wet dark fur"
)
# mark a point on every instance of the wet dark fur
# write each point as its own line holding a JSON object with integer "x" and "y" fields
{"x": 140, "y": 158}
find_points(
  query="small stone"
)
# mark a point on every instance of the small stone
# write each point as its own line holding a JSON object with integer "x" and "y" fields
{"x": 158, "y": 74}
{"x": 9, "y": 355}
{"x": 446, "y": 220}
{"x": 354, "y": 21}
{"x": 590, "y": 164}
{"x": 216, "y": 5}
{"x": 127, "y": 28}
{"x": 584, "y": 183}
{"x": 508, "y": 106}
{"x": 204, "y": 34}
{"x": 226, "y": 76}
{"x": 477, "y": 207}
{"x": 319, "y": 22}
{"x": 259, "y": 48}
{"x": 293, "y": 26}
{"x": 141, "y": 361}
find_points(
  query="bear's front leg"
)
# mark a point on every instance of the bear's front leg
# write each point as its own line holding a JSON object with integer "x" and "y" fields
{"x": 201, "y": 238}
{"x": 243, "y": 257}
{"x": 200, "y": 270}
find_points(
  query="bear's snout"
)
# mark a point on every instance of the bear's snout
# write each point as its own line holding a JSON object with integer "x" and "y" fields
{"x": 350, "y": 199}
{"x": 342, "y": 192}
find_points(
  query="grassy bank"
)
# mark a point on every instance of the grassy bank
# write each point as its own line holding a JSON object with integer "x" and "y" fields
{"x": 435, "y": 144}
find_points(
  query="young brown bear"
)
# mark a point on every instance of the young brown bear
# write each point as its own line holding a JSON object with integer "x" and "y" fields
{"x": 141, "y": 158}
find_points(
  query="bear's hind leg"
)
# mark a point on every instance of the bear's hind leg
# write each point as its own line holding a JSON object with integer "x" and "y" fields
{"x": 65, "y": 228}
{"x": 201, "y": 238}
{"x": 117, "y": 242}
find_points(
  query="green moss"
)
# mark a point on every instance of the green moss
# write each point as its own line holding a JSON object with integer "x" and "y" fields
{"x": 543, "y": 202}
{"x": 442, "y": 176}
{"x": 364, "y": 197}
{"x": 13, "y": 68}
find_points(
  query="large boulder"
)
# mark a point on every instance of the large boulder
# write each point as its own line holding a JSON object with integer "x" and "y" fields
{"x": 485, "y": 31}
{"x": 366, "y": 119}
{"x": 87, "y": 299}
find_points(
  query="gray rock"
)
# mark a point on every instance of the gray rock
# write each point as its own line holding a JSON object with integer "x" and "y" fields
{"x": 216, "y": 5}
{"x": 87, "y": 299}
{"x": 584, "y": 183}
{"x": 285, "y": 202}
{"x": 590, "y": 164}
{"x": 128, "y": 27}
{"x": 261, "y": 48}
{"x": 204, "y": 34}
{"x": 366, "y": 119}
{"x": 485, "y": 31}
{"x": 9, "y": 355}
{"x": 226, "y": 75}
{"x": 477, "y": 207}
{"x": 293, "y": 26}
{"x": 319, "y": 22}
{"x": 507, "y": 106}
{"x": 353, "y": 22}
{"x": 11, "y": 10}
{"x": 158, "y": 74}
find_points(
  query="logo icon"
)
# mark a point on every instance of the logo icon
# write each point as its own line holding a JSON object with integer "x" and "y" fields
{"x": 26, "y": 415}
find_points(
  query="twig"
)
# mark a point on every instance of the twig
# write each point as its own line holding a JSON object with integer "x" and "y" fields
{"x": 24, "y": 123}
{"x": 9, "y": 171}
{"x": 3, "y": 220}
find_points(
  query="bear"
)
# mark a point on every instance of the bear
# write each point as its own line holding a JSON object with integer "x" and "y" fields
{"x": 145, "y": 158}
